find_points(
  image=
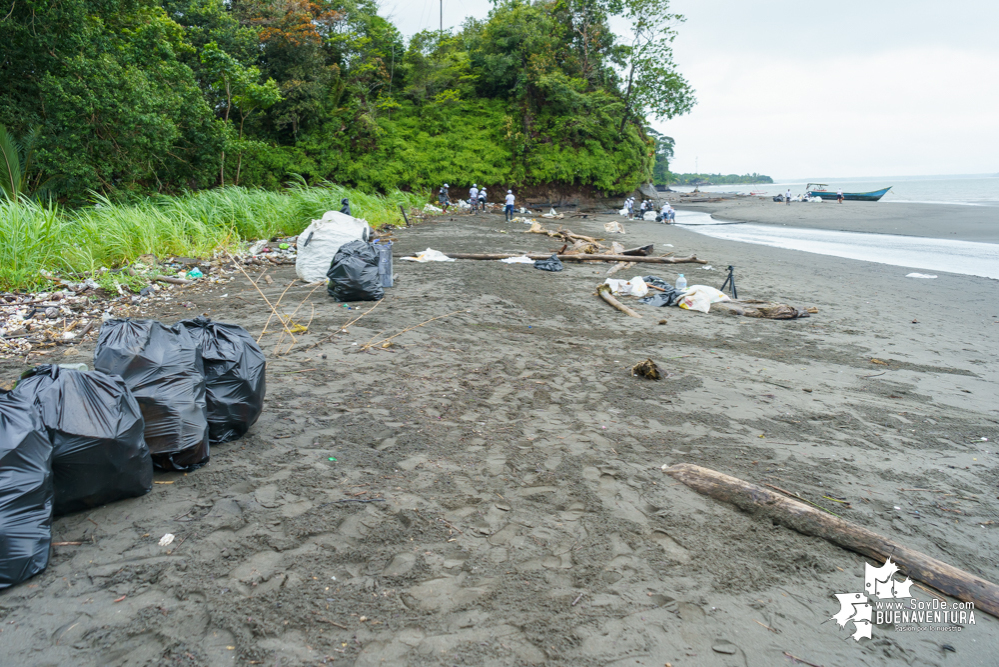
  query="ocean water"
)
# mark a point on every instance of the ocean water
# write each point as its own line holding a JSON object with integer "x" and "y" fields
{"x": 970, "y": 190}
{"x": 973, "y": 259}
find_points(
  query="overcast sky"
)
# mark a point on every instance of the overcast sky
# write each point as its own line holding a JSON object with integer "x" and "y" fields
{"x": 849, "y": 88}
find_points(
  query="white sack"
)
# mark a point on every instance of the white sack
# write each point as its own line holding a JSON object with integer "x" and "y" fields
{"x": 320, "y": 241}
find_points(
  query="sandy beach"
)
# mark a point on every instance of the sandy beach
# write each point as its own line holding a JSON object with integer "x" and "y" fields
{"x": 497, "y": 497}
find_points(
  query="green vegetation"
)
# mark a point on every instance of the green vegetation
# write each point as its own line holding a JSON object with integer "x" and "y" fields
{"x": 718, "y": 179}
{"x": 130, "y": 97}
{"x": 37, "y": 237}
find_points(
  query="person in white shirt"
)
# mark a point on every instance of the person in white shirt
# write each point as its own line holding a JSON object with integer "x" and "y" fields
{"x": 473, "y": 197}
{"x": 787, "y": 197}
{"x": 669, "y": 215}
{"x": 839, "y": 195}
{"x": 510, "y": 199}
{"x": 482, "y": 198}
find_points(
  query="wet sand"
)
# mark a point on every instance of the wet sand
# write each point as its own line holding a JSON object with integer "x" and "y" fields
{"x": 519, "y": 514}
{"x": 945, "y": 221}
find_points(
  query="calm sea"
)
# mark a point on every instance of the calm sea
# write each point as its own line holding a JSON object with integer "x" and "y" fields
{"x": 969, "y": 190}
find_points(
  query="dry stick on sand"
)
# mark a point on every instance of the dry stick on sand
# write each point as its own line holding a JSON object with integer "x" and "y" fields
{"x": 809, "y": 521}
{"x": 274, "y": 312}
{"x": 605, "y": 293}
{"x": 382, "y": 342}
{"x": 582, "y": 258}
{"x": 291, "y": 317}
{"x": 262, "y": 295}
{"x": 307, "y": 325}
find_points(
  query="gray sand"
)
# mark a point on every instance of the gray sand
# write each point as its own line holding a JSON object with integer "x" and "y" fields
{"x": 525, "y": 517}
{"x": 962, "y": 223}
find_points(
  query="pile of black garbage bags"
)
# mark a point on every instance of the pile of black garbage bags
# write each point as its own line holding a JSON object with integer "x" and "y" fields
{"x": 72, "y": 440}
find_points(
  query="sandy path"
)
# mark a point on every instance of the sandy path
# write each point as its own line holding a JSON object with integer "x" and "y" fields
{"x": 519, "y": 513}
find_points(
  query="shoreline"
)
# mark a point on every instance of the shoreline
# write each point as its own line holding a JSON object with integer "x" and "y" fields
{"x": 943, "y": 221}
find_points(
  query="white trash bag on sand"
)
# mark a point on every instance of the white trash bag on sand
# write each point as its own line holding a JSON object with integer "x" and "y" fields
{"x": 429, "y": 255}
{"x": 613, "y": 228}
{"x": 523, "y": 259}
{"x": 623, "y": 212}
{"x": 650, "y": 216}
{"x": 634, "y": 287}
{"x": 700, "y": 297}
{"x": 320, "y": 241}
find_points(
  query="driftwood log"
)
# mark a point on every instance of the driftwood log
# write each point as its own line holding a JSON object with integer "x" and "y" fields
{"x": 811, "y": 521}
{"x": 605, "y": 293}
{"x": 581, "y": 258}
{"x": 172, "y": 280}
{"x": 644, "y": 251}
{"x": 620, "y": 265}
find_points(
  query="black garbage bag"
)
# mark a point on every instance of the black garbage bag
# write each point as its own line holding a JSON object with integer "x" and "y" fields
{"x": 163, "y": 367}
{"x": 670, "y": 297}
{"x": 235, "y": 372}
{"x": 553, "y": 263}
{"x": 99, "y": 454}
{"x": 353, "y": 273}
{"x": 25, "y": 491}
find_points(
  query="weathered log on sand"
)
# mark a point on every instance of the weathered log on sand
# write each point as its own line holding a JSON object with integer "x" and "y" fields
{"x": 581, "y": 258}
{"x": 172, "y": 280}
{"x": 811, "y": 521}
{"x": 605, "y": 293}
{"x": 620, "y": 265}
{"x": 640, "y": 252}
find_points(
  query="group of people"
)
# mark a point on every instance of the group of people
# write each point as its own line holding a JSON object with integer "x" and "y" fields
{"x": 477, "y": 199}
{"x": 666, "y": 213}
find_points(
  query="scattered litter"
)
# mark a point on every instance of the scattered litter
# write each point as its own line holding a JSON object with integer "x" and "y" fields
{"x": 649, "y": 216}
{"x": 700, "y": 298}
{"x": 322, "y": 239}
{"x": 553, "y": 263}
{"x": 166, "y": 540}
{"x": 523, "y": 259}
{"x": 919, "y": 275}
{"x": 663, "y": 294}
{"x": 707, "y": 268}
{"x": 776, "y": 311}
{"x": 430, "y": 208}
{"x": 647, "y": 369}
{"x": 429, "y": 255}
{"x": 552, "y": 214}
{"x": 613, "y": 227}
{"x": 194, "y": 274}
{"x": 634, "y": 287}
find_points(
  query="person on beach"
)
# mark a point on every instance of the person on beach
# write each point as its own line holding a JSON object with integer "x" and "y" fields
{"x": 510, "y": 199}
{"x": 473, "y": 197}
{"x": 669, "y": 215}
{"x": 787, "y": 197}
{"x": 630, "y": 205}
{"x": 443, "y": 198}
{"x": 482, "y": 199}
{"x": 839, "y": 195}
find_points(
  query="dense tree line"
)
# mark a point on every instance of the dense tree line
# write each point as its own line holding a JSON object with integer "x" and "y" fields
{"x": 146, "y": 95}
{"x": 717, "y": 179}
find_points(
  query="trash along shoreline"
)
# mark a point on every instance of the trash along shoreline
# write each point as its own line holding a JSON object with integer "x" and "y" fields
{"x": 472, "y": 461}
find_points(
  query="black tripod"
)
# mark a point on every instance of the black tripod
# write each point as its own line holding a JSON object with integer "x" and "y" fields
{"x": 730, "y": 281}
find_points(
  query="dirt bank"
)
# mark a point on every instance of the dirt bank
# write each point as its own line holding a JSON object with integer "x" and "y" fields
{"x": 496, "y": 496}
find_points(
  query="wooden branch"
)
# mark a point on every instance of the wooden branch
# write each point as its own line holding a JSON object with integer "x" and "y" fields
{"x": 581, "y": 258}
{"x": 810, "y": 521}
{"x": 604, "y": 291}
{"x": 172, "y": 280}
{"x": 640, "y": 252}
{"x": 620, "y": 265}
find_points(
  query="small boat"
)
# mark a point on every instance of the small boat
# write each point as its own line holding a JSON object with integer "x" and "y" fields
{"x": 819, "y": 190}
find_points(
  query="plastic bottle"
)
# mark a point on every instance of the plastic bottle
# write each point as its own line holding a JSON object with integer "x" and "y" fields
{"x": 681, "y": 282}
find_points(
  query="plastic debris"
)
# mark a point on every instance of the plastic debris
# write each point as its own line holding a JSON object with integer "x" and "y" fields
{"x": 700, "y": 298}
{"x": 167, "y": 540}
{"x": 553, "y": 263}
{"x": 613, "y": 227}
{"x": 919, "y": 275}
{"x": 194, "y": 274}
{"x": 634, "y": 287}
{"x": 322, "y": 239}
{"x": 523, "y": 259}
{"x": 429, "y": 255}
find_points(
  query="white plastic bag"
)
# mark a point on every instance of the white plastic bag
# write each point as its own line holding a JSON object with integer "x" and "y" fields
{"x": 429, "y": 255}
{"x": 623, "y": 212}
{"x": 523, "y": 259}
{"x": 700, "y": 297}
{"x": 650, "y": 216}
{"x": 320, "y": 241}
{"x": 634, "y": 287}
{"x": 613, "y": 228}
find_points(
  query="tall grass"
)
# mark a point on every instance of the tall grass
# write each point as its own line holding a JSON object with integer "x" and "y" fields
{"x": 38, "y": 237}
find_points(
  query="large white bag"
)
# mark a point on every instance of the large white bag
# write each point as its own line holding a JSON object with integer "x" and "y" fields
{"x": 320, "y": 241}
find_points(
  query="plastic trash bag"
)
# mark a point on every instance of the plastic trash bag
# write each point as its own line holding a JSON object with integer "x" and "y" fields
{"x": 429, "y": 255}
{"x": 523, "y": 259}
{"x": 163, "y": 367}
{"x": 613, "y": 228}
{"x": 99, "y": 454}
{"x": 25, "y": 491}
{"x": 322, "y": 239}
{"x": 634, "y": 287}
{"x": 700, "y": 297}
{"x": 353, "y": 274}
{"x": 553, "y": 263}
{"x": 235, "y": 377}
{"x": 670, "y": 297}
